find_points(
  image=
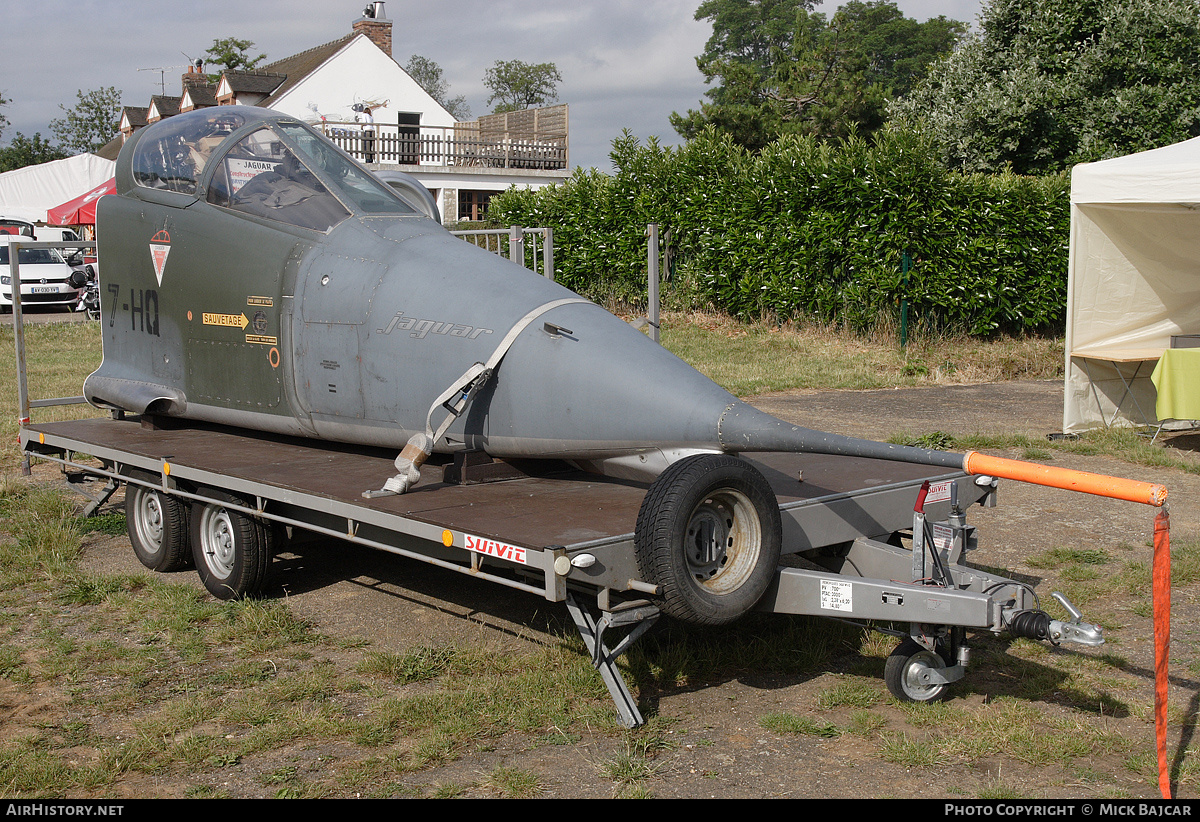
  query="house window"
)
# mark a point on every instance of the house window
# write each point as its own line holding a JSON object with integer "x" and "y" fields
{"x": 473, "y": 204}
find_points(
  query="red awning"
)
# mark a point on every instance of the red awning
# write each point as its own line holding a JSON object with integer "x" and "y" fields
{"x": 81, "y": 210}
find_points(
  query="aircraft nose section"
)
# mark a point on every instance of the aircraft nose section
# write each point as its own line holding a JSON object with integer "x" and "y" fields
{"x": 582, "y": 382}
{"x": 579, "y": 383}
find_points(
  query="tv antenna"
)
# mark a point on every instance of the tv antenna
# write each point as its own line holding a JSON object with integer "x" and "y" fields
{"x": 193, "y": 62}
{"x": 162, "y": 75}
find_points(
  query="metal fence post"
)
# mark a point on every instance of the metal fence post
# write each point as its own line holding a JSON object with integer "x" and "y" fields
{"x": 548, "y": 253}
{"x": 652, "y": 268}
{"x": 14, "y": 269}
{"x": 516, "y": 244}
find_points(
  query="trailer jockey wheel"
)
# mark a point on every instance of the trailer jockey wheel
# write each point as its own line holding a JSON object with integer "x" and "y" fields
{"x": 158, "y": 529}
{"x": 906, "y": 673}
{"x": 708, "y": 535}
{"x": 232, "y": 551}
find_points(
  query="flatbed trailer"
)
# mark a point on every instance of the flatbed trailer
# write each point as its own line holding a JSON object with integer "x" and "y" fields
{"x": 880, "y": 543}
{"x": 876, "y": 542}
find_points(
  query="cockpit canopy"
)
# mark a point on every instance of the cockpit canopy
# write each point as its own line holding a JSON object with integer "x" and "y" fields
{"x": 258, "y": 162}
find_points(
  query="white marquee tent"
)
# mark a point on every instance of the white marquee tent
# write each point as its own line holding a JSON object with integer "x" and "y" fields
{"x": 28, "y": 193}
{"x": 1133, "y": 280}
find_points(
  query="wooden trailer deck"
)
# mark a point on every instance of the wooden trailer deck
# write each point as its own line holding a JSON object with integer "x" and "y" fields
{"x": 558, "y": 506}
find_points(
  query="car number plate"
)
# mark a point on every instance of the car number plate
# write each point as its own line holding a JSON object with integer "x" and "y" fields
{"x": 44, "y": 289}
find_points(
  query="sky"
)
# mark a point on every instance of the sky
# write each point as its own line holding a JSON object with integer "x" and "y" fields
{"x": 625, "y": 64}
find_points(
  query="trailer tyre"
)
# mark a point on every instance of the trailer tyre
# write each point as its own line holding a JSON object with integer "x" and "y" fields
{"x": 708, "y": 535}
{"x": 906, "y": 673}
{"x": 158, "y": 528}
{"x": 232, "y": 551}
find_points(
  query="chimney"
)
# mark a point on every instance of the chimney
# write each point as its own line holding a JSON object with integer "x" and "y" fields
{"x": 195, "y": 75}
{"x": 376, "y": 25}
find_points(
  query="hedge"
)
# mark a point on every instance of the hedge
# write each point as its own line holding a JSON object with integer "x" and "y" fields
{"x": 812, "y": 229}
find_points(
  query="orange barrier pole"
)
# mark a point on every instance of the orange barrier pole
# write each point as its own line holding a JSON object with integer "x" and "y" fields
{"x": 1162, "y": 641}
{"x": 1147, "y": 493}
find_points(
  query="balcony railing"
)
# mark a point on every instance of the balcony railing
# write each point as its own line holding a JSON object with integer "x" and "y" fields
{"x": 445, "y": 147}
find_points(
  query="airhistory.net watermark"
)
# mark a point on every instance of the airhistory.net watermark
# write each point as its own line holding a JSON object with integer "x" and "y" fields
{"x": 61, "y": 809}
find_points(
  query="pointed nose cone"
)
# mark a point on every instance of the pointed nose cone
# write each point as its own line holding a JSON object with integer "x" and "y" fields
{"x": 579, "y": 383}
{"x": 582, "y": 384}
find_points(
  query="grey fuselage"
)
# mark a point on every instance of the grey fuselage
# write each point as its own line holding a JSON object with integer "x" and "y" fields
{"x": 351, "y": 333}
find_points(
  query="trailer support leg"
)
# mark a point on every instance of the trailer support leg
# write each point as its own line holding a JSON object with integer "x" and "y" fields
{"x": 76, "y": 482}
{"x": 604, "y": 660}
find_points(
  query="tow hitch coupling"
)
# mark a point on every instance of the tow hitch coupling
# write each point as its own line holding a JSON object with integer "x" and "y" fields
{"x": 1035, "y": 624}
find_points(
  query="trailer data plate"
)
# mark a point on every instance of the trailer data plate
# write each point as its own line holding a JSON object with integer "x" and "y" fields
{"x": 837, "y": 596}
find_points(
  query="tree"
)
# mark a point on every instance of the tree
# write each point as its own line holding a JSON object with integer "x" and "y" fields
{"x": 232, "y": 54}
{"x": 4, "y": 101}
{"x": 868, "y": 54}
{"x": 93, "y": 121}
{"x": 753, "y": 32}
{"x": 749, "y": 38}
{"x": 517, "y": 85}
{"x": 1046, "y": 84}
{"x": 428, "y": 75}
{"x": 779, "y": 69}
{"x": 28, "y": 151}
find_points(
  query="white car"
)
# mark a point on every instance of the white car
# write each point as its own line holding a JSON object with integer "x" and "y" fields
{"x": 46, "y": 279}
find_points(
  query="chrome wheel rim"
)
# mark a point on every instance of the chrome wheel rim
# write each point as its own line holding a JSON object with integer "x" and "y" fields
{"x": 917, "y": 683}
{"x": 217, "y": 541}
{"x": 722, "y": 541}
{"x": 148, "y": 520}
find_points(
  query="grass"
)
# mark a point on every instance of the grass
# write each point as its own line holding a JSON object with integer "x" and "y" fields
{"x": 634, "y": 764}
{"x": 176, "y": 684}
{"x": 1009, "y": 727}
{"x": 1124, "y": 444}
{"x": 58, "y": 357}
{"x": 789, "y": 723}
{"x": 514, "y": 783}
{"x": 152, "y": 682}
{"x": 754, "y": 358}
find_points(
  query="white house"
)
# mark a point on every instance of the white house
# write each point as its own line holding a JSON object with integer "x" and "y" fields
{"x": 355, "y": 91}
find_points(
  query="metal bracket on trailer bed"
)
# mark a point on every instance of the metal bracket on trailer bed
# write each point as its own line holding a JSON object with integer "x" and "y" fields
{"x": 78, "y": 479}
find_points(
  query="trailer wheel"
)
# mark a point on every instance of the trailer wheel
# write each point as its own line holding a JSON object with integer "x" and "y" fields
{"x": 709, "y": 534}
{"x": 158, "y": 529}
{"x": 231, "y": 550}
{"x": 906, "y": 673}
